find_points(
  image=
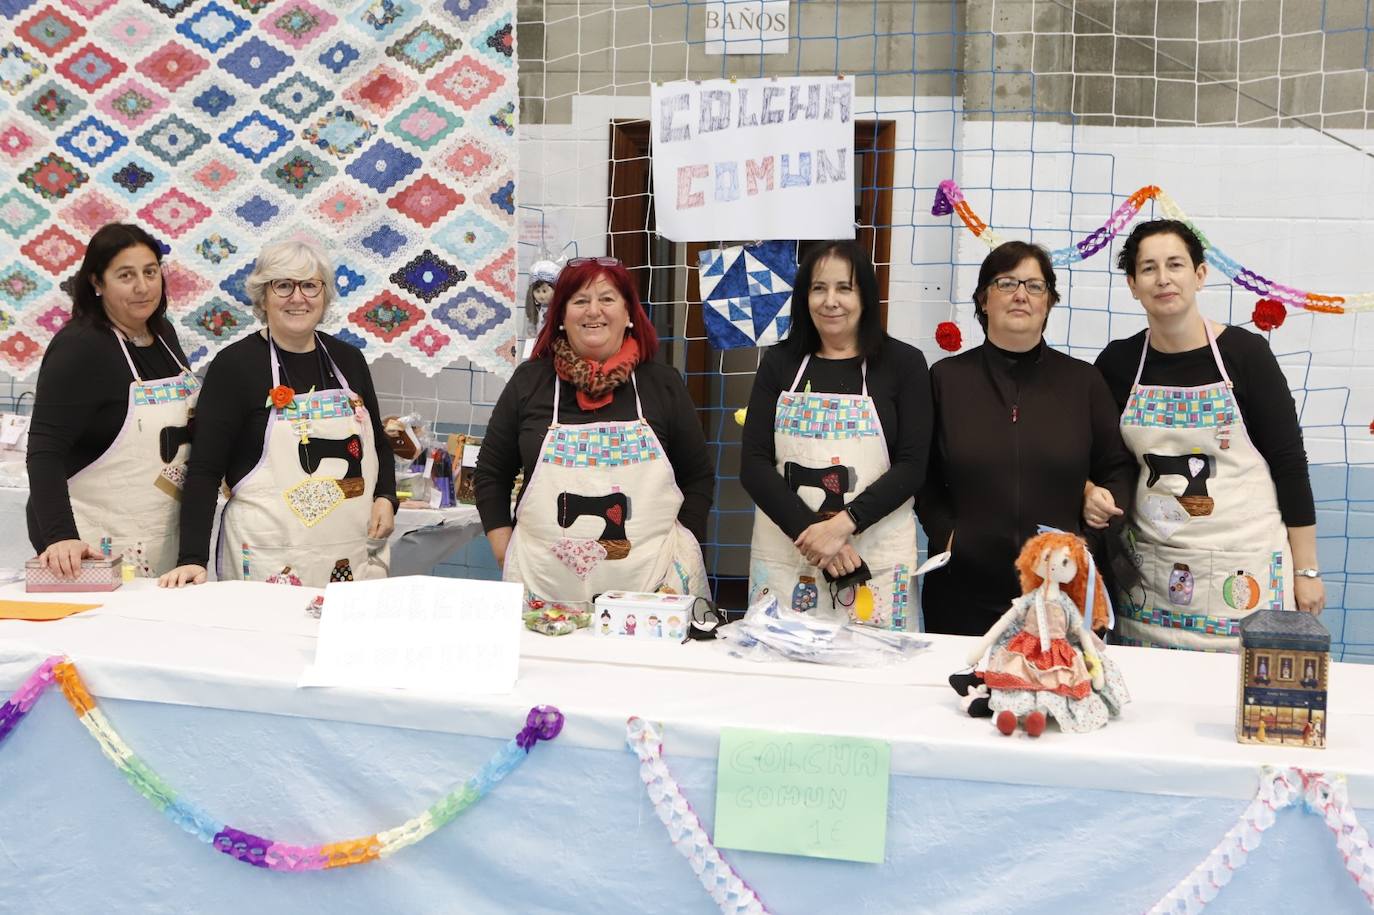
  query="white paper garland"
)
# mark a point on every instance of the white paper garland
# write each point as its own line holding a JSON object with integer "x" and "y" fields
{"x": 731, "y": 893}
{"x": 1325, "y": 796}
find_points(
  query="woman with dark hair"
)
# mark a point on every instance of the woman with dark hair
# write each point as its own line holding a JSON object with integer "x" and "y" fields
{"x": 1223, "y": 519}
{"x": 617, "y": 480}
{"x": 834, "y": 448}
{"x": 110, "y": 430}
{"x": 1020, "y": 431}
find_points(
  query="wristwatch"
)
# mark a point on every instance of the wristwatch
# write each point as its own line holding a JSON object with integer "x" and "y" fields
{"x": 1308, "y": 573}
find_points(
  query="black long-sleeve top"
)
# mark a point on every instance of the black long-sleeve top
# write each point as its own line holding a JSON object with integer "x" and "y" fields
{"x": 1266, "y": 405}
{"x": 898, "y": 383}
{"x": 78, "y": 409}
{"x": 231, "y": 420}
{"x": 1017, "y": 437}
{"x": 524, "y": 410}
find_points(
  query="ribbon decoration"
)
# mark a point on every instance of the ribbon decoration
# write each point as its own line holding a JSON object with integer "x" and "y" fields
{"x": 1325, "y": 796}
{"x": 543, "y": 723}
{"x": 730, "y": 892}
{"x": 950, "y": 199}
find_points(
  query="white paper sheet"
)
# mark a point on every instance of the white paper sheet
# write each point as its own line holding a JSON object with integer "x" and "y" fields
{"x": 443, "y": 635}
{"x": 754, "y": 158}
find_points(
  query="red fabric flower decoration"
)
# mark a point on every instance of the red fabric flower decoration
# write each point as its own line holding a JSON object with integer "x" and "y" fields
{"x": 1268, "y": 314}
{"x": 280, "y": 396}
{"x": 948, "y": 337}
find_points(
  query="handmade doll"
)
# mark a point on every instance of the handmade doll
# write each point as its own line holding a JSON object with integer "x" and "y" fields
{"x": 1042, "y": 657}
{"x": 543, "y": 274}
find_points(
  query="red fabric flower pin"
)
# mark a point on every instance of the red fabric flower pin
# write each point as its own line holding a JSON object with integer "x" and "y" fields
{"x": 281, "y": 396}
{"x": 948, "y": 337}
{"x": 1268, "y": 314}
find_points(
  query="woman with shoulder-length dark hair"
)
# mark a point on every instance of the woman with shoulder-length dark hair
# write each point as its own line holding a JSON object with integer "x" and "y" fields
{"x": 109, "y": 436}
{"x": 618, "y": 483}
{"x": 1020, "y": 431}
{"x": 1223, "y": 522}
{"x": 834, "y": 448}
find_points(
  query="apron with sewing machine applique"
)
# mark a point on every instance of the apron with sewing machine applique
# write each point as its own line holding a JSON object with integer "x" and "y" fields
{"x": 302, "y": 513}
{"x": 829, "y": 448}
{"x": 127, "y": 502}
{"x": 599, "y": 513}
{"x": 1207, "y": 535}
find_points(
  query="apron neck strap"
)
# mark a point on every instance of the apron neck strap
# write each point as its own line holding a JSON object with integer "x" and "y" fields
{"x": 273, "y": 356}
{"x": 558, "y": 389}
{"x": 801, "y": 370}
{"x": 1211, "y": 342}
{"x": 124, "y": 348}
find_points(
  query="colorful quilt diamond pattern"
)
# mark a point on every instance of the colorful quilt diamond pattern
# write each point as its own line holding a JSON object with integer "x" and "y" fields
{"x": 382, "y": 129}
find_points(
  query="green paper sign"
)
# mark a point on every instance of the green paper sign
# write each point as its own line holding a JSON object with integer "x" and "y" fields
{"x": 802, "y": 794}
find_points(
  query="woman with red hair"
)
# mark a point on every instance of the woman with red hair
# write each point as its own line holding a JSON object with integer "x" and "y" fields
{"x": 618, "y": 483}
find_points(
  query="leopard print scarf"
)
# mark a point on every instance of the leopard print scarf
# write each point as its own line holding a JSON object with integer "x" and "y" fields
{"x": 595, "y": 381}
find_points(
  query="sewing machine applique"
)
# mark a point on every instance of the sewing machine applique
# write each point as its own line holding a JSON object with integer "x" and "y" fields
{"x": 833, "y": 481}
{"x": 1195, "y": 468}
{"x": 170, "y": 440}
{"x": 613, "y": 509}
{"x": 350, "y": 450}
{"x": 312, "y": 500}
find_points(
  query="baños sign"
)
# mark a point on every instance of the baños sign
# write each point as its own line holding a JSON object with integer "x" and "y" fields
{"x": 756, "y": 158}
{"x": 746, "y": 27}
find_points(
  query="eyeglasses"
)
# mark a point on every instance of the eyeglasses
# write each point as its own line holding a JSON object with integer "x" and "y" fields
{"x": 603, "y": 261}
{"x": 1008, "y": 284}
{"x": 308, "y": 288}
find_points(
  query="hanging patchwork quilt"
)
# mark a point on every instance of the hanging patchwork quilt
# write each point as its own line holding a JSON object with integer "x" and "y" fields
{"x": 383, "y": 130}
{"x": 746, "y": 293}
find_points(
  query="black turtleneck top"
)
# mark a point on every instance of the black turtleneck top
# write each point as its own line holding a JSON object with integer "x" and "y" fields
{"x": 1016, "y": 437}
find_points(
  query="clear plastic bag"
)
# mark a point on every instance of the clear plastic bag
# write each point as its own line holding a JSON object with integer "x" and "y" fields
{"x": 769, "y": 632}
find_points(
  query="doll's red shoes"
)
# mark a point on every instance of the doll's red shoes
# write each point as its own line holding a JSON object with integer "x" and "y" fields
{"x": 1034, "y": 724}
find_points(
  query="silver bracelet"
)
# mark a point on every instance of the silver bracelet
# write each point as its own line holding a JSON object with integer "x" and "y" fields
{"x": 1308, "y": 573}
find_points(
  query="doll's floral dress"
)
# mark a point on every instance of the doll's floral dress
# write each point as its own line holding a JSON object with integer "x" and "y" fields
{"x": 1023, "y": 678}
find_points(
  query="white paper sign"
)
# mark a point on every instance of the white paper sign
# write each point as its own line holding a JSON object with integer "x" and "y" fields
{"x": 754, "y": 158}
{"x": 470, "y": 454}
{"x": 448, "y": 635}
{"x": 746, "y": 27}
{"x": 13, "y": 429}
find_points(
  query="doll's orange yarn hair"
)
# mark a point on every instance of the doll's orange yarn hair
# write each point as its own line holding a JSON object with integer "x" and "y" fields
{"x": 1077, "y": 590}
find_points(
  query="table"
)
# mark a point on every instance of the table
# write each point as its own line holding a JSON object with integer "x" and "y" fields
{"x": 201, "y": 685}
{"x": 422, "y": 539}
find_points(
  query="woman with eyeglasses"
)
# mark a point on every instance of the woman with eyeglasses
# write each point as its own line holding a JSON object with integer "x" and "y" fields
{"x": 1020, "y": 430}
{"x": 288, "y": 418}
{"x": 618, "y": 482}
{"x": 834, "y": 448}
{"x": 1223, "y": 508}
{"x": 106, "y": 460}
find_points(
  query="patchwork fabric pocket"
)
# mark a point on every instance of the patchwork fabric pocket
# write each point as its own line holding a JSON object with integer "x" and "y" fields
{"x": 580, "y": 556}
{"x": 313, "y": 500}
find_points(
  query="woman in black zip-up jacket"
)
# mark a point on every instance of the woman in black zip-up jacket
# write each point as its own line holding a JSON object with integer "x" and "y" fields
{"x": 1020, "y": 428}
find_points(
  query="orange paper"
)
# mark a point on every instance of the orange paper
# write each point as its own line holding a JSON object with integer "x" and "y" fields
{"x": 40, "y": 611}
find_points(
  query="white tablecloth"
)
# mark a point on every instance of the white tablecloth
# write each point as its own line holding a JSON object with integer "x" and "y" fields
{"x": 420, "y": 535}
{"x": 209, "y": 673}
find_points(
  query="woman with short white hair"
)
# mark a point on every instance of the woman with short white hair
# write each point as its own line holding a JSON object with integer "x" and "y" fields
{"x": 288, "y": 418}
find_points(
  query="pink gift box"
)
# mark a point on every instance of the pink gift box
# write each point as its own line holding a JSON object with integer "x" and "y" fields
{"x": 95, "y": 575}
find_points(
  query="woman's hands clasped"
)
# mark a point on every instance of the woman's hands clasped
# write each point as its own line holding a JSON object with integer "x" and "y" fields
{"x": 822, "y": 542}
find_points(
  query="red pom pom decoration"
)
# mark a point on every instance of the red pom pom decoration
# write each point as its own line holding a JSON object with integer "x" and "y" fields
{"x": 948, "y": 337}
{"x": 1268, "y": 314}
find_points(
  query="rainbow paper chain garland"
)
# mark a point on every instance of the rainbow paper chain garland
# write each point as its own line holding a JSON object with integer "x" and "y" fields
{"x": 950, "y": 199}
{"x": 543, "y": 723}
{"x": 1278, "y": 788}
{"x": 729, "y": 891}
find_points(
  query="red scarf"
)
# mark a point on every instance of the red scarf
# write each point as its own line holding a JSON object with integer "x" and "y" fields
{"x": 595, "y": 381}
